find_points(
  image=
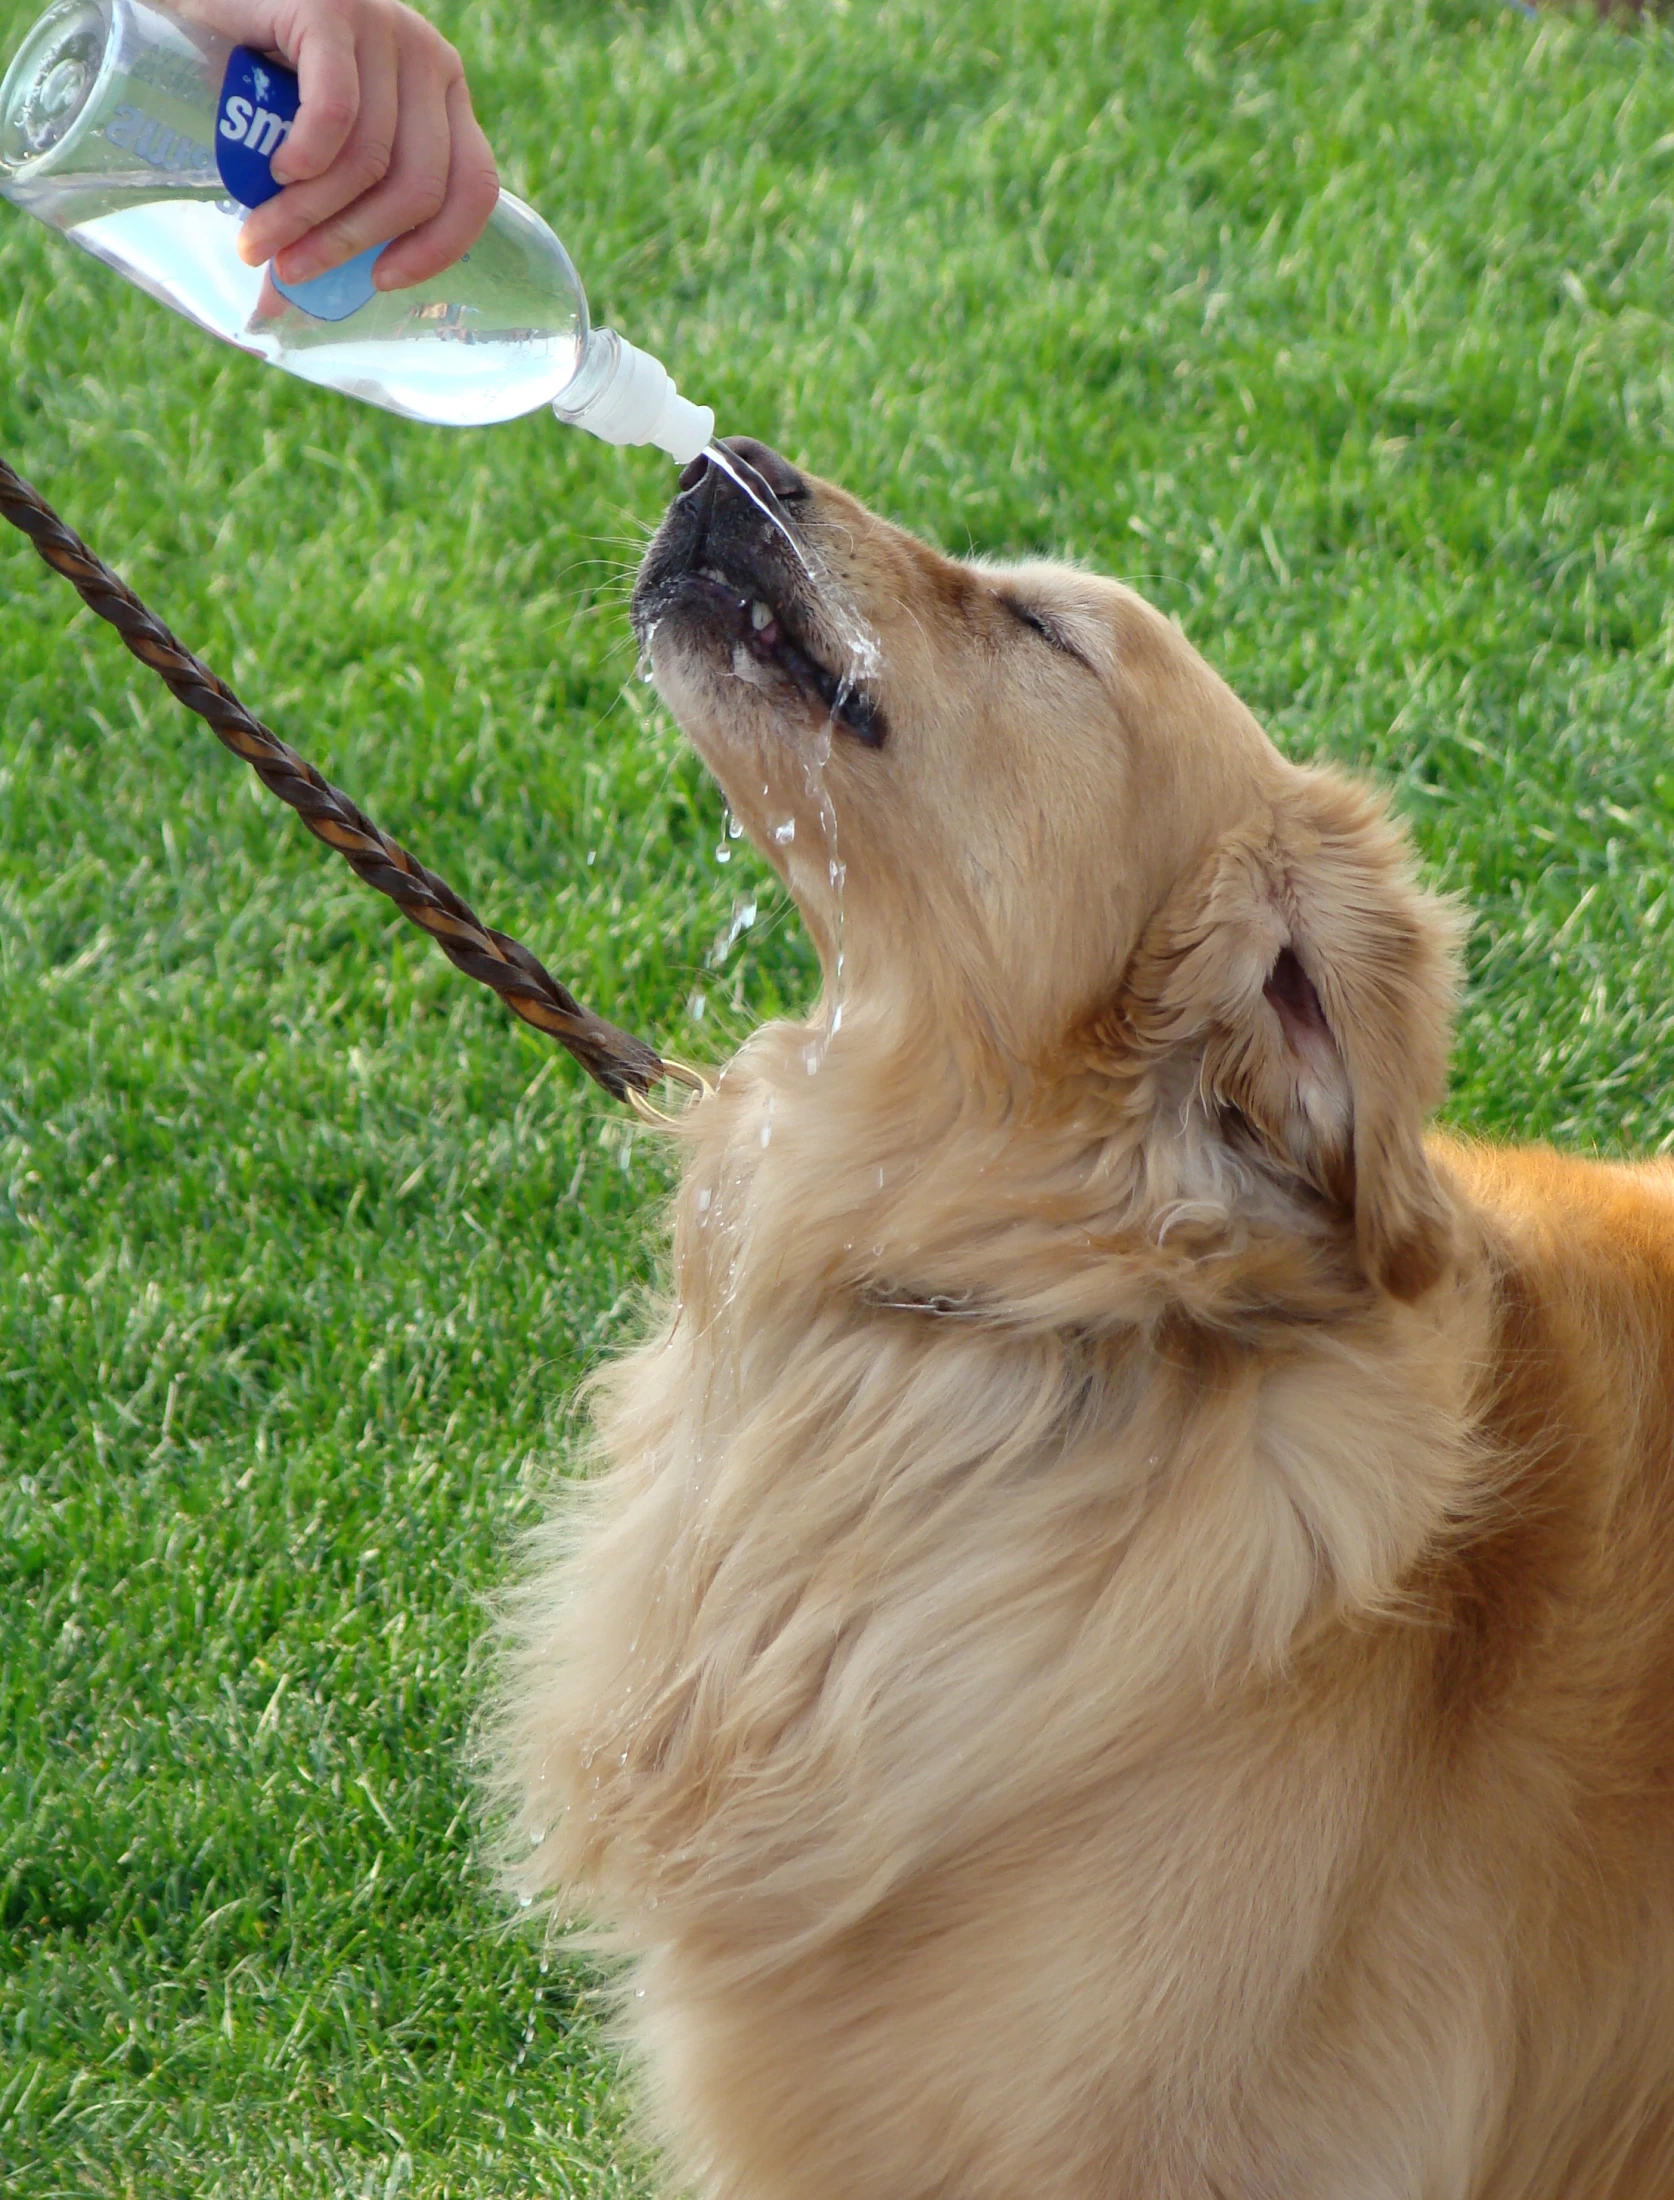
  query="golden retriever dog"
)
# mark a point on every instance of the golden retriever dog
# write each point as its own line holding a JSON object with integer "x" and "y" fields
{"x": 1124, "y": 1642}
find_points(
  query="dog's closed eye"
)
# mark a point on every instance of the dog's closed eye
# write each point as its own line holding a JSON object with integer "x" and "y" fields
{"x": 1042, "y": 623}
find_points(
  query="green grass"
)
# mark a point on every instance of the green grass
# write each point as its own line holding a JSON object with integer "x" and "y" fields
{"x": 1342, "y": 329}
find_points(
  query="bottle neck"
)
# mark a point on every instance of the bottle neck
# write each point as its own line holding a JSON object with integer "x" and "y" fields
{"x": 623, "y": 395}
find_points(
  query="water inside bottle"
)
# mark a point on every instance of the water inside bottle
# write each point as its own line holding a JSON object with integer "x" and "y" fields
{"x": 429, "y": 359}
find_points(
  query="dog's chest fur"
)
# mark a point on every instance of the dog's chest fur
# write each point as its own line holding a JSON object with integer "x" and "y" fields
{"x": 880, "y": 1607}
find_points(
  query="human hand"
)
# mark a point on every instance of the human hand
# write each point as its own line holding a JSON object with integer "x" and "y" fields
{"x": 384, "y": 146}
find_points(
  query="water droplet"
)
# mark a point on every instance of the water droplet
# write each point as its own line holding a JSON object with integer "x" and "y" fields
{"x": 784, "y": 832}
{"x": 766, "y": 1136}
{"x": 723, "y": 854}
{"x": 734, "y": 828}
{"x": 525, "y": 1901}
{"x": 705, "y": 1195}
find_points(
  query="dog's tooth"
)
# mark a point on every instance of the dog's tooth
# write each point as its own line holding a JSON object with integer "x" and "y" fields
{"x": 760, "y": 615}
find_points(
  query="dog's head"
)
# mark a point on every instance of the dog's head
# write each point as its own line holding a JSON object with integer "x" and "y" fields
{"x": 1066, "y": 855}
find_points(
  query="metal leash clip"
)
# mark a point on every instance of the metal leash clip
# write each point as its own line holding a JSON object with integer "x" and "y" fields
{"x": 676, "y": 1073}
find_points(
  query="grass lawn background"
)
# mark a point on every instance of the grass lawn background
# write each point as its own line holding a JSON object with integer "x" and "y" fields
{"x": 1341, "y": 329}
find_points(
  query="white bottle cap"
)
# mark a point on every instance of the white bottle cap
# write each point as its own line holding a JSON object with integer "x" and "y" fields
{"x": 637, "y": 402}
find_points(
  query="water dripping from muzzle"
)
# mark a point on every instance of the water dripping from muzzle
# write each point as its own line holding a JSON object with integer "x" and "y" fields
{"x": 862, "y": 660}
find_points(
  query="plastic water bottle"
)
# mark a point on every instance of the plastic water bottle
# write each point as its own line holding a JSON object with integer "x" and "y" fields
{"x": 145, "y": 139}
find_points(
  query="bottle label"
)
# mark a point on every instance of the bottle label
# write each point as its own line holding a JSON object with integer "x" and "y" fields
{"x": 339, "y": 292}
{"x": 259, "y": 101}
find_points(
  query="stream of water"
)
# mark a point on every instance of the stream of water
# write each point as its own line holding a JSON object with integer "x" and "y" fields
{"x": 861, "y": 660}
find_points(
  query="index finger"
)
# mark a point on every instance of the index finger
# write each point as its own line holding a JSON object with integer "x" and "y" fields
{"x": 329, "y": 80}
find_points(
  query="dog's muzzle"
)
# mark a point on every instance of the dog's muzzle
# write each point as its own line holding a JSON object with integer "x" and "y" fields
{"x": 733, "y": 567}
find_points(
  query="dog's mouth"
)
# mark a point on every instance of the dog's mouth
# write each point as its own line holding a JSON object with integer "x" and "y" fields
{"x": 733, "y": 577}
{"x": 733, "y": 607}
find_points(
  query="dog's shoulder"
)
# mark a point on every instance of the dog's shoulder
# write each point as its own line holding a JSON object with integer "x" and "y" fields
{"x": 1594, "y": 1236}
{"x": 1579, "y": 1424}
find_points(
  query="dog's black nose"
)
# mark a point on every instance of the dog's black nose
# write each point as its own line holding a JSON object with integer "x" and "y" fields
{"x": 776, "y": 474}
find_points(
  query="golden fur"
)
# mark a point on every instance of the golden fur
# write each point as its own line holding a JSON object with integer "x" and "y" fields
{"x": 1126, "y": 1647}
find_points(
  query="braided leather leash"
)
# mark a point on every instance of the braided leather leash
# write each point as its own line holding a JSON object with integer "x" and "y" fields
{"x": 625, "y": 1066}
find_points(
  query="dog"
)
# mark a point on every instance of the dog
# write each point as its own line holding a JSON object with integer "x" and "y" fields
{"x": 1125, "y": 1643}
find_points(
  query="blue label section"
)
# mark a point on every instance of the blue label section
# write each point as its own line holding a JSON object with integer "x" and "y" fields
{"x": 336, "y": 294}
{"x": 259, "y": 101}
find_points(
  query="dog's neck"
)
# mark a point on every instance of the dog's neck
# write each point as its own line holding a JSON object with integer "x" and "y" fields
{"x": 1148, "y": 1301}
{"x": 1094, "y": 1196}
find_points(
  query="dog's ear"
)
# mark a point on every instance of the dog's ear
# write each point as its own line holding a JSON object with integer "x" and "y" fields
{"x": 1305, "y": 983}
